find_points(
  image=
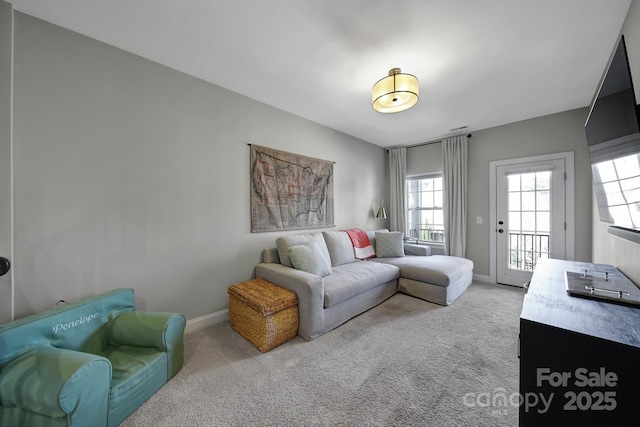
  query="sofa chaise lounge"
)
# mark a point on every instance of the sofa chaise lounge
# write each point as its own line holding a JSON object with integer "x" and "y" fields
{"x": 334, "y": 286}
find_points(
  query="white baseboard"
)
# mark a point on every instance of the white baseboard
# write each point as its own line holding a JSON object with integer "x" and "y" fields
{"x": 223, "y": 315}
{"x": 206, "y": 320}
{"x": 482, "y": 278}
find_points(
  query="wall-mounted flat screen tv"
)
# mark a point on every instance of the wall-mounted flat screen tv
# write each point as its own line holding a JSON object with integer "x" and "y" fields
{"x": 613, "y": 137}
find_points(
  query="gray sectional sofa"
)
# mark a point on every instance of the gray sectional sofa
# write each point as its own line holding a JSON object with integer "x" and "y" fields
{"x": 334, "y": 286}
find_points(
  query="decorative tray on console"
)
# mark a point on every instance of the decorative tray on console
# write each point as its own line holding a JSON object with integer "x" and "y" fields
{"x": 608, "y": 284}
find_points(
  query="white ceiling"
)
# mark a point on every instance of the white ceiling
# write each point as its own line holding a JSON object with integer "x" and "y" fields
{"x": 481, "y": 63}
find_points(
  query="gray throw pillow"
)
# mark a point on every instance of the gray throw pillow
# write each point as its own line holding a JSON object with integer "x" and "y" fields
{"x": 284, "y": 242}
{"x": 308, "y": 257}
{"x": 389, "y": 244}
{"x": 340, "y": 247}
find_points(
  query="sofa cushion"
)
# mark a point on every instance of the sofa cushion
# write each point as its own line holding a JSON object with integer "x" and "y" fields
{"x": 270, "y": 255}
{"x": 340, "y": 247}
{"x": 350, "y": 280}
{"x": 440, "y": 270}
{"x": 309, "y": 257}
{"x": 283, "y": 243}
{"x": 372, "y": 235}
{"x": 417, "y": 249}
{"x": 389, "y": 244}
{"x": 137, "y": 374}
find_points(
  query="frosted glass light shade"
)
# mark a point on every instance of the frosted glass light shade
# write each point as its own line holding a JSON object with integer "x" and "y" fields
{"x": 396, "y": 92}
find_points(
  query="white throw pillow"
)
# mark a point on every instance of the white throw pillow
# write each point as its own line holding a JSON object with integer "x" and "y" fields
{"x": 309, "y": 257}
{"x": 389, "y": 244}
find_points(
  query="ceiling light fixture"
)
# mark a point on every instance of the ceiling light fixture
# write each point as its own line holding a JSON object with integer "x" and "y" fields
{"x": 396, "y": 92}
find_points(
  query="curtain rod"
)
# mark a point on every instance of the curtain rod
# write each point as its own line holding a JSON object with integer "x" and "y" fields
{"x": 422, "y": 143}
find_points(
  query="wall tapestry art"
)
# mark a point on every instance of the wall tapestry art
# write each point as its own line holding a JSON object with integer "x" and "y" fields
{"x": 289, "y": 191}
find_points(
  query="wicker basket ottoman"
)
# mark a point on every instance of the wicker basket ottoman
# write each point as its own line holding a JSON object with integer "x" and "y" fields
{"x": 263, "y": 313}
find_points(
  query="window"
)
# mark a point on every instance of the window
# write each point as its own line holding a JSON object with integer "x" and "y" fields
{"x": 425, "y": 220}
{"x": 619, "y": 180}
{"x": 529, "y": 205}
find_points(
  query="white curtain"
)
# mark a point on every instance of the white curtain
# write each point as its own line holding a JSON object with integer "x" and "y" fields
{"x": 397, "y": 184}
{"x": 454, "y": 181}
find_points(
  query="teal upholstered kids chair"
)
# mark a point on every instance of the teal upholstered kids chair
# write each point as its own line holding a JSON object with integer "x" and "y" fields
{"x": 89, "y": 363}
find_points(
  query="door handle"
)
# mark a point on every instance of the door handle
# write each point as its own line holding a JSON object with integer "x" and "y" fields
{"x": 5, "y": 265}
{"x": 500, "y": 230}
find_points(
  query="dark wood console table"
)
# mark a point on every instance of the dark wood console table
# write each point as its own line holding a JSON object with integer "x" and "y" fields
{"x": 579, "y": 357}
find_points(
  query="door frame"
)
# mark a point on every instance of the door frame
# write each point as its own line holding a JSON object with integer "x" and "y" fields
{"x": 7, "y": 282}
{"x": 569, "y": 203}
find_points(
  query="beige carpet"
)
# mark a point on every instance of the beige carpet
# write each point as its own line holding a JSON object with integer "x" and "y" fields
{"x": 406, "y": 362}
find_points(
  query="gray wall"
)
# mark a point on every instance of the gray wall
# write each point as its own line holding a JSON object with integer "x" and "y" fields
{"x": 425, "y": 158}
{"x": 543, "y": 135}
{"x": 554, "y": 133}
{"x": 608, "y": 249}
{"x": 131, "y": 174}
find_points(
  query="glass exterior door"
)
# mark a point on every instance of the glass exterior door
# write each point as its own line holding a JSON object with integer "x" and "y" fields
{"x": 530, "y": 218}
{"x": 529, "y": 224}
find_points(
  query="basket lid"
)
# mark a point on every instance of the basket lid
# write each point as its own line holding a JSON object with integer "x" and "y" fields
{"x": 263, "y": 296}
